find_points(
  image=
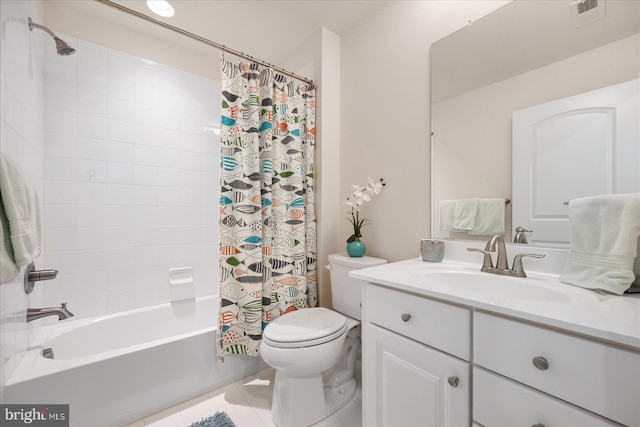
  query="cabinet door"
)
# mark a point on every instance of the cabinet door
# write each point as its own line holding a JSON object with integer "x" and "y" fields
{"x": 406, "y": 383}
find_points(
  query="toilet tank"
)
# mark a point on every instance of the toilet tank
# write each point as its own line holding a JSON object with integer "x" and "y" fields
{"x": 345, "y": 291}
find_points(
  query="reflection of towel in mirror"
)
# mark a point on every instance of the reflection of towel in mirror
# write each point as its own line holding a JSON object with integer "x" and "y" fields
{"x": 464, "y": 216}
{"x": 489, "y": 218}
{"x": 603, "y": 242}
{"x": 22, "y": 210}
{"x": 447, "y": 212}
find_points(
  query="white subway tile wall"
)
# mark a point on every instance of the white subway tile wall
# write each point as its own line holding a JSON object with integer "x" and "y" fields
{"x": 22, "y": 124}
{"x": 131, "y": 180}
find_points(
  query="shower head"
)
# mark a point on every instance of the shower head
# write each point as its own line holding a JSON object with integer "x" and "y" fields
{"x": 61, "y": 46}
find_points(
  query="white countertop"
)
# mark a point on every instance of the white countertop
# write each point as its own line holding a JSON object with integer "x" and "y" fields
{"x": 607, "y": 317}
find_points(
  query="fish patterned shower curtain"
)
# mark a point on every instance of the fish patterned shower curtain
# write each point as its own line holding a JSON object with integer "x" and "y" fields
{"x": 267, "y": 217}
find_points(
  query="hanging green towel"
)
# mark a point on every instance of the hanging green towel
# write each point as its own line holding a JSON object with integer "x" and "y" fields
{"x": 22, "y": 209}
{"x": 8, "y": 268}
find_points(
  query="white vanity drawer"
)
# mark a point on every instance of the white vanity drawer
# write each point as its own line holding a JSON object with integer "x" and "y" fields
{"x": 439, "y": 325}
{"x": 595, "y": 376}
{"x": 498, "y": 401}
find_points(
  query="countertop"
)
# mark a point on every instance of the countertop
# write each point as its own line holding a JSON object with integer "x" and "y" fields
{"x": 611, "y": 318}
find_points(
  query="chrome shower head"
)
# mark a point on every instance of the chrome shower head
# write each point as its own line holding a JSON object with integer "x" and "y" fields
{"x": 61, "y": 46}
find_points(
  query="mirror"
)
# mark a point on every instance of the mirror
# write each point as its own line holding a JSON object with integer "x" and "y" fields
{"x": 522, "y": 56}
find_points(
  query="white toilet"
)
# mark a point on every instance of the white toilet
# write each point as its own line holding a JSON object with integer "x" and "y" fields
{"x": 314, "y": 350}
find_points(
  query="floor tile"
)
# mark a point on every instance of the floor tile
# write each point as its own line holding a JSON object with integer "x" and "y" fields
{"x": 330, "y": 421}
{"x": 196, "y": 409}
{"x": 170, "y": 417}
{"x": 351, "y": 414}
{"x": 248, "y": 404}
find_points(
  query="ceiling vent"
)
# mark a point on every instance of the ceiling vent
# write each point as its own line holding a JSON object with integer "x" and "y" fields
{"x": 587, "y": 11}
{"x": 586, "y": 5}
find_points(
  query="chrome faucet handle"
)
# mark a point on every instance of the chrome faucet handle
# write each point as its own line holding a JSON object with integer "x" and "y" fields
{"x": 488, "y": 262}
{"x": 63, "y": 306}
{"x": 517, "y": 263}
{"x": 520, "y": 236}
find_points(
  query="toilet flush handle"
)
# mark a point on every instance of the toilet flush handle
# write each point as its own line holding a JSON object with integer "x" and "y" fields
{"x": 328, "y": 266}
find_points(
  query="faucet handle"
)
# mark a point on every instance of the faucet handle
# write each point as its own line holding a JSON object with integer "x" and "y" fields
{"x": 517, "y": 263}
{"x": 488, "y": 262}
{"x": 64, "y": 308}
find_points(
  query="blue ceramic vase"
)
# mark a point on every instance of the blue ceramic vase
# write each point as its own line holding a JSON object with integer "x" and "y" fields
{"x": 356, "y": 249}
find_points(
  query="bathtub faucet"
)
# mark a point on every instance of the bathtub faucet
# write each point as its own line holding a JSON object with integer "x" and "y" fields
{"x": 37, "y": 313}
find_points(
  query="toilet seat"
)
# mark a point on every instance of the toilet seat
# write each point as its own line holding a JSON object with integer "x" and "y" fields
{"x": 305, "y": 328}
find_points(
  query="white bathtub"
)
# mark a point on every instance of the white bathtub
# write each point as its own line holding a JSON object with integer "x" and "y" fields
{"x": 115, "y": 369}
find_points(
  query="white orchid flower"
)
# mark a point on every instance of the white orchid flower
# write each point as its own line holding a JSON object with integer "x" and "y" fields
{"x": 361, "y": 194}
{"x": 375, "y": 186}
{"x": 357, "y": 199}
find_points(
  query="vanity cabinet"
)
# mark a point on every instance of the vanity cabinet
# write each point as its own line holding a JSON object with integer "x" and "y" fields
{"x": 586, "y": 373}
{"x": 498, "y": 401}
{"x": 419, "y": 368}
{"x": 407, "y": 379}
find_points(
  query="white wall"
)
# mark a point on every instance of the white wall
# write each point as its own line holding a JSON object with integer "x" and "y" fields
{"x": 385, "y": 117}
{"x": 21, "y": 139}
{"x": 319, "y": 59}
{"x": 131, "y": 180}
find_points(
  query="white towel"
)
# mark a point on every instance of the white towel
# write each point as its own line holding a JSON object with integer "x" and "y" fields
{"x": 447, "y": 211}
{"x": 22, "y": 209}
{"x": 464, "y": 216}
{"x": 603, "y": 242}
{"x": 489, "y": 218}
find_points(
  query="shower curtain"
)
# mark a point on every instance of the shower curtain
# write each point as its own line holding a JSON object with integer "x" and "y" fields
{"x": 267, "y": 218}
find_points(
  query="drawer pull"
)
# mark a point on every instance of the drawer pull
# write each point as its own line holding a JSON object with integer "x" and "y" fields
{"x": 405, "y": 317}
{"x": 453, "y": 381}
{"x": 542, "y": 364}
{"x": 538, "y": 425}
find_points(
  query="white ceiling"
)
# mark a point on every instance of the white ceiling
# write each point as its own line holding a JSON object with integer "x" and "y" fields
{"x": 253, "y": 27}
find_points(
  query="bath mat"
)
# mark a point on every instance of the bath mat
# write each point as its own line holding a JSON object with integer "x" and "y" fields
{"x": 219, "y": 419}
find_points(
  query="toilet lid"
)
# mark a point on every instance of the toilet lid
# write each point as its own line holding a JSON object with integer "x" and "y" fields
{"x": 303, "y": 328}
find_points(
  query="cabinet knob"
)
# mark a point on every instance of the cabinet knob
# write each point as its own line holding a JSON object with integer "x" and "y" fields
{"x": 405, "y": 317}
{"x": 541, "y": 363}
{"x": 538, "y": 425}
{"x": 453, "y": 381}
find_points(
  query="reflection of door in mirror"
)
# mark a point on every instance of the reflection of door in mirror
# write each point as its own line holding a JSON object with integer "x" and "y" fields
{"x": 592, "y": 138}
{"x": 524, "y": 54}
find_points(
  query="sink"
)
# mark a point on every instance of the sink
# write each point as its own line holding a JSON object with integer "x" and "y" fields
{"x": 492, "y": 286}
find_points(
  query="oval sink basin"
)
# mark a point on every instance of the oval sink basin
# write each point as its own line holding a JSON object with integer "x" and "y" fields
{"x": 493, "y": 286}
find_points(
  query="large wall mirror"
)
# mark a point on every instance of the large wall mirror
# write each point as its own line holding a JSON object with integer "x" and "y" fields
{"x": 537, "y": 103}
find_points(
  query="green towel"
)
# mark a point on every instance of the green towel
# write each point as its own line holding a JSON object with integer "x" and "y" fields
{"x": 22, "y": 209}
{"x": 8, "y": 268}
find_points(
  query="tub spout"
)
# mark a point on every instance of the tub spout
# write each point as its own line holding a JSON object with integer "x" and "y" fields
{"x": 38, "y": 313}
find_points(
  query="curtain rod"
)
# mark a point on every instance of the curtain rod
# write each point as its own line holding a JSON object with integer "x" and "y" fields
{"x": 219, "y": 46}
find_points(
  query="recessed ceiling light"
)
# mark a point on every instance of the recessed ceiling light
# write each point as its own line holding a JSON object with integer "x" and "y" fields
{"x": 161, "y": 7}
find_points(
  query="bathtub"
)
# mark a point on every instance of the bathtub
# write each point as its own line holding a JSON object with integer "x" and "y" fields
{"x": 117, "y": 368}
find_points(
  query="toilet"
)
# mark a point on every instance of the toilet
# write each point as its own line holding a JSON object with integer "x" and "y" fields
{"x": 314, "y": 350}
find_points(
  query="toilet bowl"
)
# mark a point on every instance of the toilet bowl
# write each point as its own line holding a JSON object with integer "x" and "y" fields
{"x": 314, "y": 351}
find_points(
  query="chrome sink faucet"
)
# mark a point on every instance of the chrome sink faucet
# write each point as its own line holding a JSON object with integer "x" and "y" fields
{"x": 502, "y": 266}
{"x": 38, "y": 313}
